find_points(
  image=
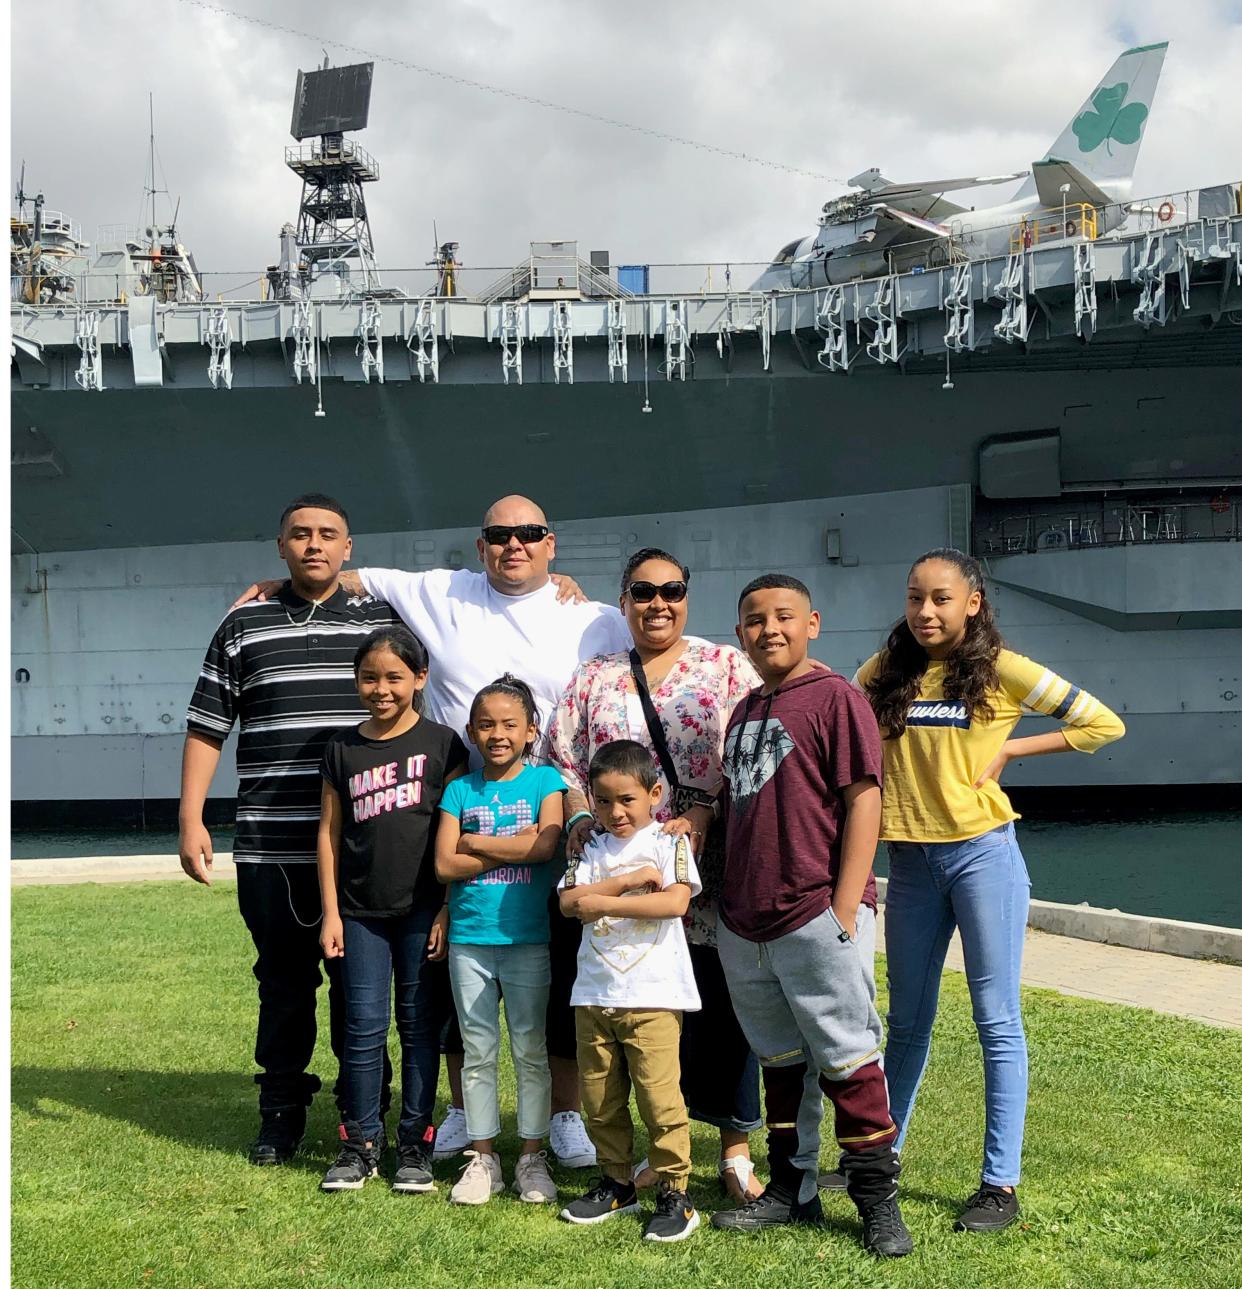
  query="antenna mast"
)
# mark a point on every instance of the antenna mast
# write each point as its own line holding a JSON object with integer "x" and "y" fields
{"x": 151, "y": 119}
{"x": 333, "y": 233}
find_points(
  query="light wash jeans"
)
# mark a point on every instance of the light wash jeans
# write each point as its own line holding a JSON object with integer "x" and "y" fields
{"x": 981, "y": 887}
{"x": 479, "y": 972}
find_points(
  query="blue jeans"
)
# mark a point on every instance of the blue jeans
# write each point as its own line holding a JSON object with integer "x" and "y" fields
{"x": 377, "y": 950}
{"x": 479, "y": 972}
{"x": 981, "y": 887}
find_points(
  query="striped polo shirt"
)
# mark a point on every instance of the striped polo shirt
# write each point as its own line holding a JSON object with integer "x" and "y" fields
{"x": 284, "y": 670}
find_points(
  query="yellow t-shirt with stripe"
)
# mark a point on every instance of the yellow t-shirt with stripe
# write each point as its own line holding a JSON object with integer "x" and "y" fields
{"x": 930, "y": 771}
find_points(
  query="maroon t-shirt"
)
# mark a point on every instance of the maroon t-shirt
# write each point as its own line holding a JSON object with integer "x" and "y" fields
{"x": 787, "y": 756}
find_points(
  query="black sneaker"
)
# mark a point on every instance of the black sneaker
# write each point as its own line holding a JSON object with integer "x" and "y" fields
{"x": 832, "y": 1181}
{"x": 608, "y": 1198}
{"x": 674, "y": 1219}
{"x": 280, "y": 1135}
{"x": 357, "y": 1161}
{"x": 988, "y": 1209}
{"x": 775, "y": 1207}
{"x": 884, "y": 1233}
{"x": 414, "y": 1164}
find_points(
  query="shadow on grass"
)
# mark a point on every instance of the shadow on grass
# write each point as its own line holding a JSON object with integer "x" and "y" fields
{"x": 215, "y": 1111}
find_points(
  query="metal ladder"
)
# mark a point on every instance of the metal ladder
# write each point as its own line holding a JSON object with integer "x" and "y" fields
{"x": 510, "y": 334}
{"x": 676, "y": 340}
{"x": 1153, "y": 305}
{"x": 830, "y": 319}
{"x": 89, "y": 374}
{"x": 882, "y": 311}
{"x": 370, "y": 346}
{"x": 959, "y": 307}
{"x": 1015, "y": 319}
{"x": 562, "y": 341}
{"x": 303, "y": 342}
{"x": 220, "y": 338}
{"x": 1085, "y": 307}
{"x": 618, "y": 353}
{"x": 424, "y": 343}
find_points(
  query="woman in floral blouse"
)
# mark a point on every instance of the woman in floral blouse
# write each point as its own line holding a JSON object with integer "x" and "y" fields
{"x": 694, "y": 687}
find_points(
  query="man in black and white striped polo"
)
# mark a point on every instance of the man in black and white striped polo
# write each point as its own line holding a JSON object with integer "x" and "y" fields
{"x": 283, "y": 669}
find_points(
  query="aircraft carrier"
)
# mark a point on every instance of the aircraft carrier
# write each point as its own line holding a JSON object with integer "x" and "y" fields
{"x": 1057, "y": 389}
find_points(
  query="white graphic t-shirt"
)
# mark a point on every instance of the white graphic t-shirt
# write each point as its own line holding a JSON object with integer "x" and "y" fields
{"x": 635, "y": 962}
{"x": 475, "y": 634}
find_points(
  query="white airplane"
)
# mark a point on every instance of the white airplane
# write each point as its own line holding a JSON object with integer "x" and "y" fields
{"x": 1080, "y": 188}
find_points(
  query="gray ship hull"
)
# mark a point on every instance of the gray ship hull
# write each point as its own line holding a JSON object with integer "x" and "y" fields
{"x": 1098, "y": 480}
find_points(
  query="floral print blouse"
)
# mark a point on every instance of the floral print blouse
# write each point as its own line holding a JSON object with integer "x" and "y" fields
{"x": 694, "y": 703}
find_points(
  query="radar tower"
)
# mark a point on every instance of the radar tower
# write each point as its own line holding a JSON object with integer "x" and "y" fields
{"x": 333, "y": 232}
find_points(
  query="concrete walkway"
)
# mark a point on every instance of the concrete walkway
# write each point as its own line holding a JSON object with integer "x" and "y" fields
{"x": 1210, "y": 992}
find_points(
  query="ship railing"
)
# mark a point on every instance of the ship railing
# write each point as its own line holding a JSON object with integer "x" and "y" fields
{"x": 1134, "y": 522}
{"x": 1077, "y": 221}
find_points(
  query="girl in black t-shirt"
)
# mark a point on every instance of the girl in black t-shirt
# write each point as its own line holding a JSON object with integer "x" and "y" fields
{"x": 383, "y": 910}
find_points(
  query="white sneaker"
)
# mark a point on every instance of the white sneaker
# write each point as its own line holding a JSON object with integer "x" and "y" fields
{"x": 451, "y": 1136}
{"x": 569, "y": 1141}
{"x": 480, "y": 1180}
{"x": 531, "y": 1179}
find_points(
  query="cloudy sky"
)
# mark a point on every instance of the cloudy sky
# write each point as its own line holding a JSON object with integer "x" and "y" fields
{"x": 920, "y": 90}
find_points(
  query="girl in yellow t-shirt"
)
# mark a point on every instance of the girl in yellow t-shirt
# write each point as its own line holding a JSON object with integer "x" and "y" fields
{"x": 947, "y": 694}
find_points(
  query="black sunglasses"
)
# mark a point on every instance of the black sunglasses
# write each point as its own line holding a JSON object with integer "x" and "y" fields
{"x": 645, "y": 592}
{"x": 499, "y": 534}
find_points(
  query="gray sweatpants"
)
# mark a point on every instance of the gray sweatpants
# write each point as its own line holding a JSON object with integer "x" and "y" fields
{"x": 807, "y": 997}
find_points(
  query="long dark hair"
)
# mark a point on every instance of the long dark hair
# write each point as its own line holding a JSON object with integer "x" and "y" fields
{"x": 406, "y": 645}
{"x": 970, "y": 675}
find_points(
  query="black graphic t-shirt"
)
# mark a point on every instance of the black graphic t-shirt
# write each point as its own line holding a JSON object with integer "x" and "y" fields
{"x": 390, "y": 796}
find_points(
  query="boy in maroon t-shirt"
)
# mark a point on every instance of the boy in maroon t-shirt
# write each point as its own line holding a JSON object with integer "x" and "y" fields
{"x": 802, "y": 761}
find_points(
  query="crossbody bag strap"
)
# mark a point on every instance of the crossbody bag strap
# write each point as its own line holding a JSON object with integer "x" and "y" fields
{"x": 654, "y": 728}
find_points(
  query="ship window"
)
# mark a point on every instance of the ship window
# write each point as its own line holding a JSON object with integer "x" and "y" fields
{"x": 786, "y": 253}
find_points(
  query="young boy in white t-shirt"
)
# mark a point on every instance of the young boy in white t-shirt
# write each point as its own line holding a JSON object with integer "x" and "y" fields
{"x": 630, "y": 889}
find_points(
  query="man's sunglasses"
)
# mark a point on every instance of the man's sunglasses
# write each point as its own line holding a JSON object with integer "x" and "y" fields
{"x": 645, "y": 592}
{"x": 499, "y": 534}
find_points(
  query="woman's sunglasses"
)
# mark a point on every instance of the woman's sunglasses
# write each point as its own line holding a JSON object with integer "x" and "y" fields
{"x": 499, "y": 534}
{"x": 645, "y": 592}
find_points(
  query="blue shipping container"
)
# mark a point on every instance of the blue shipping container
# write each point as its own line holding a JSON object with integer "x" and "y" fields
{"x": 633, "y": 278}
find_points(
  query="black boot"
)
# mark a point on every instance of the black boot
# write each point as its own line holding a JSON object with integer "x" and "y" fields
{"x": 280, "y": 1134}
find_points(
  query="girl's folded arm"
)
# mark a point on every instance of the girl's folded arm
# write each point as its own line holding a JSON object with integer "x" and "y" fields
{"x": 534, "y": 845}
{"x": 450, "y": 866}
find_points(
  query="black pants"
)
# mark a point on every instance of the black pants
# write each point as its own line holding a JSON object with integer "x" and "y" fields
{"x": 280, "y": 905}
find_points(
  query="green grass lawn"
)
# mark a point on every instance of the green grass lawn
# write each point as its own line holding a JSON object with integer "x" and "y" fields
{"x": 132, "y": 1026}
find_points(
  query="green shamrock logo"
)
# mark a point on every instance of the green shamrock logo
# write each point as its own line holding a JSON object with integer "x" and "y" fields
{"x": 1110, "y": 120}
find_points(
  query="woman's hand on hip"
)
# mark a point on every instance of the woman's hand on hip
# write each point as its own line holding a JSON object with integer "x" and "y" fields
{"x": 578, "y": 837}
{"x": 997, "y": 768}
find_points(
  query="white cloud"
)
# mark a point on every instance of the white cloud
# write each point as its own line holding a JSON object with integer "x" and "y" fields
{"x": 920, "y": 91}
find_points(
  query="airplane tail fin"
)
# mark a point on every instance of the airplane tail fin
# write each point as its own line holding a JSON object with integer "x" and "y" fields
{"x": 1103, "y": 138}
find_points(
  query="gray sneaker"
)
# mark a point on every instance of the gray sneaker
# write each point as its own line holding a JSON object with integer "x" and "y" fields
{"x": 480, "y": 1179}
{"x": 414, "y": 1168}
{"x": 532, "y": 1181}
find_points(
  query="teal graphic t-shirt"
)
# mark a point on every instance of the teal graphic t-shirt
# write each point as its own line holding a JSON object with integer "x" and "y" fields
{"x": 507, "y": 904}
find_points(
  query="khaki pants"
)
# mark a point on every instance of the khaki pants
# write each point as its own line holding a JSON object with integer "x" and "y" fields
{"x": 619, "y": 1047}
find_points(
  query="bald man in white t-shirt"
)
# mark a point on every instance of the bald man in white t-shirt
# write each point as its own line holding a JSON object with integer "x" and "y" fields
{"x": 477, "y": 625}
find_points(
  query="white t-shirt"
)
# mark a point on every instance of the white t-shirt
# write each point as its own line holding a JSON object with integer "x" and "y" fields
{"x": 635, "y": 962}
{"x": 475, "y": 634}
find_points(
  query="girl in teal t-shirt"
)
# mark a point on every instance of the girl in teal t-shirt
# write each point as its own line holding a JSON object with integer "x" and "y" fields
{"x": 499, "y": 827}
